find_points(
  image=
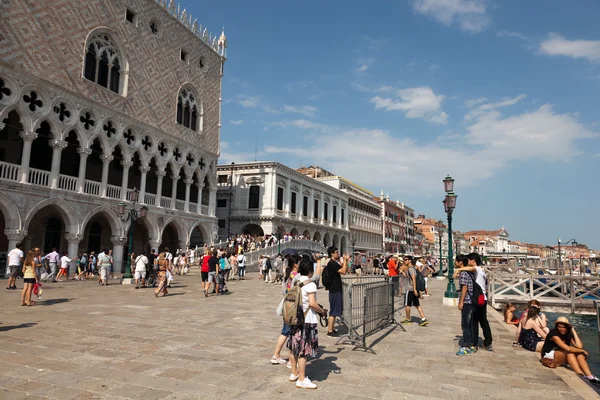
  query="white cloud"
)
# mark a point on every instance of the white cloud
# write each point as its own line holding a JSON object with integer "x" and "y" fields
{"x": 491, "y": 142}
{"x": 558, "y": 45}
{"x": 515, "y": 35}
{"x": 309, "y": 111}
{"x": 362, "y": 68}
{"x": 469, "y": 15}
{"x": 236, "y": 121}
{"x": 483, "y": 107}
{"x": 248, "y": 101}
{"x": 419, "y": 102}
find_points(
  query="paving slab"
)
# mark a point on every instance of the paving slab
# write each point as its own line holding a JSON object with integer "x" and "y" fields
{"x": 83, "y": 341}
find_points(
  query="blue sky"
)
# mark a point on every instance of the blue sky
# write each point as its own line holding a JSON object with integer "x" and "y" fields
{"x": 394, "y": 95}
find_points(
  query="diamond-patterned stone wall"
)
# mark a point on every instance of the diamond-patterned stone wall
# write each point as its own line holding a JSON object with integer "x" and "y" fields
{"x": 47, "y": 39}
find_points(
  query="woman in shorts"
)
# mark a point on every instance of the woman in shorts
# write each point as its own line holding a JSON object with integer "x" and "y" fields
{"x": 29, "y": 277}
{"x": 563, "y": 346}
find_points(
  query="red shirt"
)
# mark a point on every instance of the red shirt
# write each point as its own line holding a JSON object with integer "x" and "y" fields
{"x": 393, "y": 267}
{"x": 205, "y": 267}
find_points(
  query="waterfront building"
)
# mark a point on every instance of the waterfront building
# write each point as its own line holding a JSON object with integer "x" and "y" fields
{"x": 488, "y": 243}
{"x": 398, "y": 229}
{"x": 261, "y": 198}
{"x": 98, "y": 98}
{"x": 433, "y": 230}
{"x": 365, "y": 221}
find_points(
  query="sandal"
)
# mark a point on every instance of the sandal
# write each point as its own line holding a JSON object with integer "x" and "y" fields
{"x": 31, "y": 304}
{"x": 23, "y": 304}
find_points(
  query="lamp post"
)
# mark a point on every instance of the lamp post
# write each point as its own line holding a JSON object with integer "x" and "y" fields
{"x": 131, "y": 215}
{"x": 441, "y": 274}
{"x": 230, "y": 198}
{"x": 449, "y": 205}
{"x": 573, "y": 242}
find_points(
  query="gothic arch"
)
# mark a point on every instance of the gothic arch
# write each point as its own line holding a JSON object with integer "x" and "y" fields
{"x": 120, "y": 48}
{"x": 66, "y": 211}
{"x": 202, "y": 228}
{"x": 24, "y": 119}
{"x": 111, "y": 217}
{"x": 189, "y": 109}
{"x": 11, "y": 212}
{"x": 181, "y": 232}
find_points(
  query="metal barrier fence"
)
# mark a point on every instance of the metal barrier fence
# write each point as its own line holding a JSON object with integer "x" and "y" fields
{"x": 368, "y": 307}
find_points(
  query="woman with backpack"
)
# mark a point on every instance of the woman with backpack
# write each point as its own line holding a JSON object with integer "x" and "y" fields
{"x": 290, "y": 278}
{"x": 303, "y": 340}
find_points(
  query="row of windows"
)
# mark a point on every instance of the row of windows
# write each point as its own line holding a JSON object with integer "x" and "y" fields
{"x": 364, "y": 207}
{"x": 280, "y": 200}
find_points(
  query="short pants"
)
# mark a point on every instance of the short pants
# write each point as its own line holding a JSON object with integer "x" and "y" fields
{"x": 335, "y": 304}
{"x": 204, "y": 276}
{"x": 410, "y": 300}
{"x": 140, "y": 275}
{"x": 212, "y": 277}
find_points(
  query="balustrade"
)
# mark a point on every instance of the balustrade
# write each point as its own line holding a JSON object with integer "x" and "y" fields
{"x": 114, "y": 192}
{"x": 67, "y": 182}
{"x": 150, "y": 199}
{"x": 8, "y": 171}
{"x": 39, "y": 177}
{"x": 165, "y": 202}
{"x": 92, "y": 187}
{"x": 180, "y": 205}
{"x": 204, "y": 210}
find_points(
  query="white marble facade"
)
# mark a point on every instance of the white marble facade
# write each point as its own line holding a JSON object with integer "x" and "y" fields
{"x": 270, "y": 198}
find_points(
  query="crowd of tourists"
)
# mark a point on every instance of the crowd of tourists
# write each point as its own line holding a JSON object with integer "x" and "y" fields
{"x": 248, "y": 242}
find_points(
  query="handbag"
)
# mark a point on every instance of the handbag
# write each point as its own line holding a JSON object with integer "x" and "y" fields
{"x": 548, "y": 362}
{"x": 279, "y": 310}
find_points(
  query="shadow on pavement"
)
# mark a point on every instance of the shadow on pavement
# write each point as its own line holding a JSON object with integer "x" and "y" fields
{"x": 11, "y": 327}
{"x": 320, "y": 368}
{"x": 50, "y": 302}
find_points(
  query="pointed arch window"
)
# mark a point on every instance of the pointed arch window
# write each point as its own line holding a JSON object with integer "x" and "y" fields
{"x": 103, "y": 63}
{"x": 187, "y": 109}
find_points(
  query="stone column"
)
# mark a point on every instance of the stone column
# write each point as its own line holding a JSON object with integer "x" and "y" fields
{"x": 175, "y": 178}
{"x": 28, "y": 138}
{"x": 159, "y": 175}
{"x": 73, "y": 248}
{"x": 212, "y": 202}
{"x": 311, "y": 204}
{"x": 83, "y": 155}
{"x": 57, "y": 147}
{"x": 154, "y": 244}
{"x": 106, "y": 159}
{"x": 199, "y": 205}
{"x": 322, "y": 209}
{"x": 300, "y": 203}
{"x": 188, "y": 184}
{"x": 125, "y": 180}
{"x": 118, "y": 243}
{"x": 339, "y": 215}
{"x": 14, "y": 236}
{"x": 287, "y": 198}
{"x": 144, "y": 169}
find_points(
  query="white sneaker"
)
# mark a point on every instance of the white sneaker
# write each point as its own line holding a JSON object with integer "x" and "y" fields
{"x": 289, "y": 365}
{"x": 305, "y": 384}
{"x": 294, "y": 378}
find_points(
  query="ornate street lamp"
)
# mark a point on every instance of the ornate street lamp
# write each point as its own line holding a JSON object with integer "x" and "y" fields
{"x": 131, "y": 215}
{"x": 449, "y": 205}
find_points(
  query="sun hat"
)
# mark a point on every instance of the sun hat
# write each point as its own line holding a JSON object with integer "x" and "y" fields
{"x": 564, "y": 321}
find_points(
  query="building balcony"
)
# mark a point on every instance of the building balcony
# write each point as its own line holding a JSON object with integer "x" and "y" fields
{"x": 40, "y": 178}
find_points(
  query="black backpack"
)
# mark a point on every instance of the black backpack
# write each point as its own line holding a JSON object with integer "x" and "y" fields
{"x": 477, "y": 298}
{"x": 419, "y": 280}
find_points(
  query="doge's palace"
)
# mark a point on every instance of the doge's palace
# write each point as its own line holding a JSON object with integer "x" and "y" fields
{"x": 98, "y": 98}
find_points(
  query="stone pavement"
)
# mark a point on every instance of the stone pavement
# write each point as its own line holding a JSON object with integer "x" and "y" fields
{"x": 89, "y": 342}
